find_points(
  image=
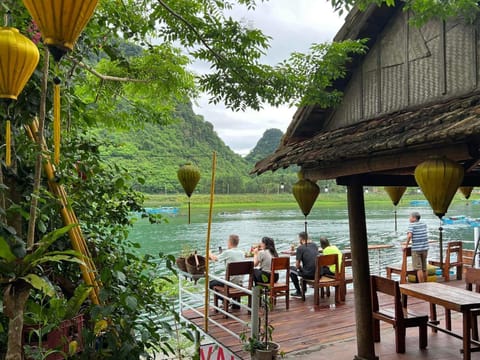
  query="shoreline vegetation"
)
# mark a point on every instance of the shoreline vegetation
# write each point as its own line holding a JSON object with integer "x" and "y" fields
{"x": 283, "y": 200}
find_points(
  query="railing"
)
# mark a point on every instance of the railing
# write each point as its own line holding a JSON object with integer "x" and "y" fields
{"x": 194, "y": 294}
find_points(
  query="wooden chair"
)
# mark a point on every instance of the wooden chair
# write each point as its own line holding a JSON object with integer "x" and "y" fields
{"x": 453, "y": 258}
{"x": 324, "y": 281}
{"x": 279, "y": 288}
{"x": 468, "y": 258}
{"x": 399, "y": 317}
{"x": 405, "y": 268}
{"x": 472, "y": 278}
{"x": 234, "y": 269}
{"x": 347, "y": 277}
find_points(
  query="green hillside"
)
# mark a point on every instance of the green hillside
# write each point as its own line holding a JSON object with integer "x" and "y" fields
{"x": 157, "y": 151}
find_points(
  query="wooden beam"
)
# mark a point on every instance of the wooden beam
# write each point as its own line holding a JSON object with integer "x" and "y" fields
{"x": 361, "y": 272}
{"x": 383, "y": 163}
{"x": 396, "y": 180}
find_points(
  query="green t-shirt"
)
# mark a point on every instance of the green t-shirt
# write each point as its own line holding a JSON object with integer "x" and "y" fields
{"x": 332, "y": 249}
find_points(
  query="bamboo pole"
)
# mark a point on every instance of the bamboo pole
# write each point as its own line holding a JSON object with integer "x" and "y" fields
{"x": 76, "y": 237}
{"x": 207, "y": 250}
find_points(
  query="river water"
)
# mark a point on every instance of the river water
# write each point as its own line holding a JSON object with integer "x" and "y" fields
{"x": 284, "y": 225}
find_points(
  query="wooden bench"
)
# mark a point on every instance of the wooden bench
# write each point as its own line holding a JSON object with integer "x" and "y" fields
{"x": 398, "y": 316}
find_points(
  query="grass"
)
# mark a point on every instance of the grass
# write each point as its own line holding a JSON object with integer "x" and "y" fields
{"x": 278, "y": 201}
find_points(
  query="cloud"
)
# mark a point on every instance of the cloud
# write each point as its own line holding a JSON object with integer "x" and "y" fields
{"x": 293, "y": 26}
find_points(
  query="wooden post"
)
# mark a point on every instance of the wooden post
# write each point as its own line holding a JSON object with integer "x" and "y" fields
{"x": 361, "y": 272}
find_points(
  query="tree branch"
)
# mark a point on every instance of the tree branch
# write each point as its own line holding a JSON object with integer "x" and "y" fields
{"x": 106, "y": 77}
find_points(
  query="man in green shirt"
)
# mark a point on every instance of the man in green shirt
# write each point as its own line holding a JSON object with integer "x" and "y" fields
{"x": 327, "y": 250}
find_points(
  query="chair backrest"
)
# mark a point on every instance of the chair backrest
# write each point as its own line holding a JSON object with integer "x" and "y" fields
{"x": 468, "y": 257}
{"x": 454, "y": 252}
{"x": 327, "y": 260}
{"x": 240, "y": 268}
{"x": 389, "y": 287}
{"x": 472, "y": 277}
{"x": 278, "y": 264}
{"x": 406, "y": 253}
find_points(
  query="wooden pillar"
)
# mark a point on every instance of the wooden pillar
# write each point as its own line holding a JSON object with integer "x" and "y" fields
{"x": 361, "y": 272}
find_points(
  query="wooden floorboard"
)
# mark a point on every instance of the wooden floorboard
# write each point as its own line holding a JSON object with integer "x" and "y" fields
{"x": 304, "y": 325}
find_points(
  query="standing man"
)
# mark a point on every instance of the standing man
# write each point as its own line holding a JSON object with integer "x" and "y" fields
{"x": 417, "y": 234}
{"x": 306, "y": 259}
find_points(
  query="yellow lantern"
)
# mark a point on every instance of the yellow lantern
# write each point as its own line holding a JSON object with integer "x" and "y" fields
{"x": 466, "y": 191}
{"x": 305, "y": 192}
{"x": 395, "y": 193}
{"x": 439, "y": 179}
{"x": 189, "y": 176}
{"x": 18, "y": 59}
{"x": 61, "y": 23}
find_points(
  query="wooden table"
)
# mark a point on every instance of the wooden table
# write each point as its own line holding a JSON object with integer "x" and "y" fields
{"x": 451, "y": 298}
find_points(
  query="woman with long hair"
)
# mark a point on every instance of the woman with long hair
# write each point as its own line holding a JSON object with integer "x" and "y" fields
{"x": 262, "y": 259}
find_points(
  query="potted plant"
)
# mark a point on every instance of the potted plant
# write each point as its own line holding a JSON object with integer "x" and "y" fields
{"x": 262, "y": 346}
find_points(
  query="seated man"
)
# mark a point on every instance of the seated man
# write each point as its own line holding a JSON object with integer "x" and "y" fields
{"x": 232, "y": 254}
{"x": 306, "y": 256}
{"x": 327, "y": 250}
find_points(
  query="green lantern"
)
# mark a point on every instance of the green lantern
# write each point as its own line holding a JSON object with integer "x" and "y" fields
{"x": 466, "y": 191}
{"x": 305, "y": 192}
{"x": 189, "y": 176}
{"x": 439, "y": 179}
{"x": 395, "y": 193}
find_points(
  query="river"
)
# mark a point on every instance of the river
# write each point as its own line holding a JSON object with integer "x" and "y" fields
{"x": 284, "y": 225}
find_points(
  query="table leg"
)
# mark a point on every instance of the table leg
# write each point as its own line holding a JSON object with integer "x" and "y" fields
{"x": 467, "y": 325}
{"x": 433, "y": 316}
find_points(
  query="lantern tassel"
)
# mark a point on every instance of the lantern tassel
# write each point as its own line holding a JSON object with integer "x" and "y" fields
{"x": 8, "y": 153}
{"x": 56, "y": 121}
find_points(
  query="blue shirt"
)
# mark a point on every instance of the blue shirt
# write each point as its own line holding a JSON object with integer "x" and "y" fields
{"x": 419, "y": 236}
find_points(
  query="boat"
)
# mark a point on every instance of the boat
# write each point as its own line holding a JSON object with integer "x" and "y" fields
{"x": 451, "y": 220}
{"x": 171, "y": 210}
{"x": 419, "y": 202}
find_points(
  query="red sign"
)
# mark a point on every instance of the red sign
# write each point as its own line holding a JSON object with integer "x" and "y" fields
{"x": 215, "y": 352}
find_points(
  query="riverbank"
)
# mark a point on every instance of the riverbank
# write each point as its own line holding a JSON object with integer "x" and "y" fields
{"x": 283, "y": 200}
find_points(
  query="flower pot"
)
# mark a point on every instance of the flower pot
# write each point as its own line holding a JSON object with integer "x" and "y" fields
{"x": 58, "y": 339}
{"x": 270, "y": 353}
{"x": 180, "y": 261}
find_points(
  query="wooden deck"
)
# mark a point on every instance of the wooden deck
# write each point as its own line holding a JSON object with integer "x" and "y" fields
{"x": 328, "y": 332}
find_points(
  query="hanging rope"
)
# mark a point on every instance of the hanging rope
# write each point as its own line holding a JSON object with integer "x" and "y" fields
{"x": 56, "y": 120}
{"x": 8, "y": 150}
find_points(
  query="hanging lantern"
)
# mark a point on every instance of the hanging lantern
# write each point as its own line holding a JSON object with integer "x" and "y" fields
{"x": 439, "y": 179}
{"x": 18, "y": 59}
{"x": 60, "y": 22}
{"x": 395, "y": 193}
{"x": 189, "y": 176}
{"x": 466, "y": 191}
{"x": 305, "y": 192}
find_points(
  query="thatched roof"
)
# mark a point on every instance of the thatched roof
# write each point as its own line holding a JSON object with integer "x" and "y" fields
{"x": 440, "y": 128}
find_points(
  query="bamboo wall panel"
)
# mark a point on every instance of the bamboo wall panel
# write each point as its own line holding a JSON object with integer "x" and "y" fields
{"x": 459, "y": 55}
{"x": 442, "y": 62}
{"x": 350, "y": 110}
{"x": 424, "y": 75}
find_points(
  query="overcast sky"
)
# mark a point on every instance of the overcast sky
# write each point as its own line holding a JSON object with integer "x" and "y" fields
{"x": 294, "y": 25}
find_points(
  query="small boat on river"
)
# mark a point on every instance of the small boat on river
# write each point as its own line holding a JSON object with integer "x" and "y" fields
{"x": 171, "y": 210}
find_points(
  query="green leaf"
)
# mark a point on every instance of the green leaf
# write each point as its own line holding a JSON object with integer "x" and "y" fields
{"x": 40, "y": 283}
{"x": 5, "y": 252}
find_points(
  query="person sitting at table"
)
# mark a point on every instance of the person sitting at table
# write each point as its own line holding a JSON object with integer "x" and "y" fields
{"x": 232, "y": 254}
{"x": 305, "y": 263}
{"x": 262, "y": 258}
{"x": 327, "y": 250}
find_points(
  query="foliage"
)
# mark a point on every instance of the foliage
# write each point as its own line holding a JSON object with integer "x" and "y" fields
{"x": 267, "y": 144}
